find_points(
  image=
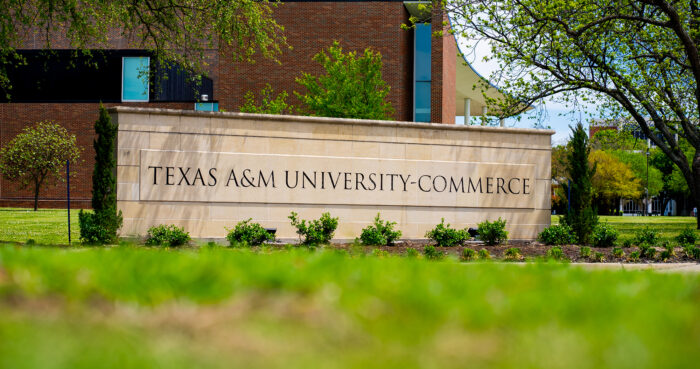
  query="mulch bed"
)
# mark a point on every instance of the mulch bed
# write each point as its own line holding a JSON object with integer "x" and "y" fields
{"x": 528, "y": 249}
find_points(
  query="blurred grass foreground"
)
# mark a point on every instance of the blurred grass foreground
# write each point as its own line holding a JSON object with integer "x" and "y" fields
{"x": 128, "y": 307}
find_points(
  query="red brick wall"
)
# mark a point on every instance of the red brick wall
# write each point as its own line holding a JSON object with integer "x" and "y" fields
{"x": 78, "y": 119}
{"x": 312, "y": 26}
{"x": 443, "y": 72}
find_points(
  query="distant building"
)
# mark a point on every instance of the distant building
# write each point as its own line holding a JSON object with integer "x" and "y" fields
{"x": 429, "y": 80}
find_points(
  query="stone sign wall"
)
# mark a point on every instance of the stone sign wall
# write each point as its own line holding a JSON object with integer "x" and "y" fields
{"x": 207, "y": 171}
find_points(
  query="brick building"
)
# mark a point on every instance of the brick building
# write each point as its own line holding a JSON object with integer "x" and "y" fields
{"x": 429, "y": 80}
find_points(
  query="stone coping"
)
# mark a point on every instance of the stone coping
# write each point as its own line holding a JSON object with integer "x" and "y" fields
{"x": 326, "y": 120}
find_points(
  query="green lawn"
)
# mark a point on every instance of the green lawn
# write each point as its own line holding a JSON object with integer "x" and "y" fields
{"x": 44, "y": 226}
{"x": 222, "y": 308}
{"x": 668, "y": 227}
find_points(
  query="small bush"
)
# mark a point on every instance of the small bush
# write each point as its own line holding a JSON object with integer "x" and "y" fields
{"x": 669, "y": 247}
{"x": 690, "y": 251}
{"x": 646, "y": 251}
{"x": 604, "y": 235}
{"x": 432, "y": 253}
{"x": 688, "y": 236}
{"x": 618, "y": 253}
{"x": 646, "y": 235}
{"x": 598, "y": 257}
{"x": 379, "y": 253}
{"x": 30, "y": 242}
{"x": 556, "y": 253}
{"x": 99, "y": 227}
{"x": 627, "y": 243}
{"x": 446, "y": 236}
{"x": 513, "y": 253}
{"x": 665, "y": 255}
{"x": 556, "y": 235}
{"x": 380, "y": 233}
{"x": 493, "y": 233}
{"x": 634, "y": 256}
{"x": 318, "y": 231}
{"x": 247, "y": 233}
{"x": 467, "y": 254}
{"x": 484, "y": 254}
{"x": 585, "y": 251}
{"x": 411, "y": 252}
{"x": 167, "y": 235}
{"x": 696, "y": 253}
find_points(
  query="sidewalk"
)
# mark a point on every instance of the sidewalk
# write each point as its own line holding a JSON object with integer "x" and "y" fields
{"x": 664, "y": 268}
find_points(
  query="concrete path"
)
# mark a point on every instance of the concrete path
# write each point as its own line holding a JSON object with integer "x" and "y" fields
{"x": 664, "y": 268}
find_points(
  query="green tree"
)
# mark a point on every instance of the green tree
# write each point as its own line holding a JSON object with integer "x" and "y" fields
{"x": 639, "y": 58}
{"x": 612, "y": 140}
{"x": 351, "y": 88}
{"x": 176, "y": 31}
{"x": 581, "y": 217}
{"x": 267, "y": 104}
{"x": 38, "y": 156}
{"x": 612, "y": 180}
{"x": 102, "y": 225}
{"x": 637, "y": 161}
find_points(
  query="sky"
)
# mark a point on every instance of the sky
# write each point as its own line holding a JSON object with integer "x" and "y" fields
{"x": 559, "y": 117}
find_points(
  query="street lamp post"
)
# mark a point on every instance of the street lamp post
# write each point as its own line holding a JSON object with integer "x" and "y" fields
{"x": 646, "y": 208}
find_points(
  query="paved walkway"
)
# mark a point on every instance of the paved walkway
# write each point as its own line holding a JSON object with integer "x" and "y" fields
{"x": 664, "y": 268}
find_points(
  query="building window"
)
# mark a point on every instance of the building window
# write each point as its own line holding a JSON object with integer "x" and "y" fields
{"x": 135, "y": 78}
{"x": 421, "y": 72}
{"x": 206, "y": 106}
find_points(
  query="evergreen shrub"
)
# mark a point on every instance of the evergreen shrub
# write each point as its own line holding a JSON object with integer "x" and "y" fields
{"x": 604, "y": 235}
{"x": 101, "y": 226}
{"x": 446, "y": 236}
{"x": 560, "y": 234}
{"x": 317, "y": 231}
{"x": 246, "y": 233}
{"x": 167, "y": 235}
{"x": 646, "y": 236}
{"x": 688, "y": 236}
{"x": 380, "y": 233}
{"x": 581, "y": 217}
{"x": 493, "y": 233}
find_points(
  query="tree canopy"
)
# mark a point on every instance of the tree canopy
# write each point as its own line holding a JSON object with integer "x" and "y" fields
{"x": 38, "y": 156}
{"x": 613, "y": 179}
{"x": 351, "y": 88}
{"x": 179, "y": 31}
{"x": 640, "y": 59}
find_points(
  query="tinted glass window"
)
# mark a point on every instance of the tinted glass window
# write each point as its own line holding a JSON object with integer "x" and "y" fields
{"x": 135, "y": 78}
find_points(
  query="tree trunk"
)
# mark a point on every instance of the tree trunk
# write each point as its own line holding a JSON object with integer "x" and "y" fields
{"x": 36, "y": 195}
{"x": 695, "y": 190}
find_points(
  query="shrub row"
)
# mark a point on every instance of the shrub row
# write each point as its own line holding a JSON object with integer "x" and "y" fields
{"x": 604, "y": 235}
{"x": 320, "y": 231}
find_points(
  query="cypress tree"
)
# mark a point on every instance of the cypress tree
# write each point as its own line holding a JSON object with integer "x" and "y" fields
{"x": 102, "y": 225}
{"x": 104, "y": 179}
{"x": 580, "y": 216}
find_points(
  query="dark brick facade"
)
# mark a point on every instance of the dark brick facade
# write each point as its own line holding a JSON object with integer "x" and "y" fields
{"x": 309, "y": 27}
